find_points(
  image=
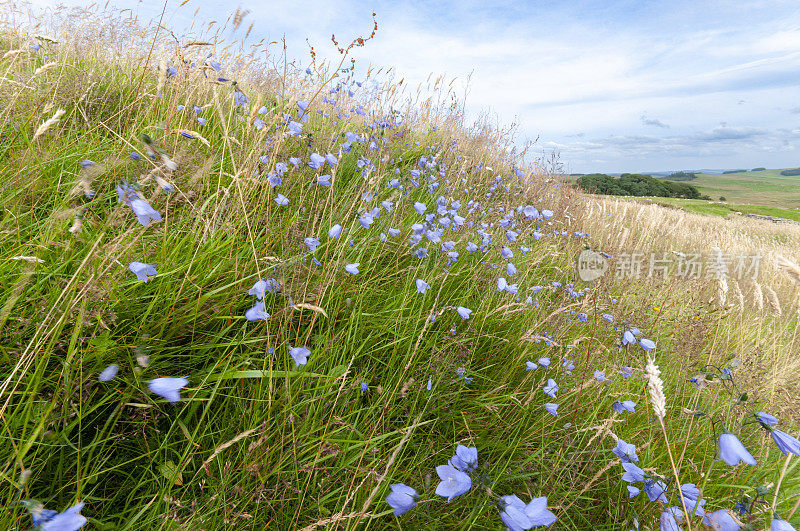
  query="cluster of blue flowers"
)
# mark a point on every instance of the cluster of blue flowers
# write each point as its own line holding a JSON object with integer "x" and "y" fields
{"x": 730, "y": 450}
{"x": 455, "y": 479}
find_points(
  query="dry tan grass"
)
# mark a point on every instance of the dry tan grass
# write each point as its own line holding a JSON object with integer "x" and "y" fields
{"x": 761, "y": 331}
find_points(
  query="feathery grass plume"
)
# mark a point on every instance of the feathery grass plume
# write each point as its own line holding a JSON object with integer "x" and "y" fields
{"x": 737, "y": 291}
{"x": 162, "y": 75}
{"x": 45, "y": 67}
{"x": 29, "y": 259}
{"x": 721, "y": 271}
{"x": 11, "y": 53}
{"x": 86, "y": 93}
{"x": 656, "y": 388}
{"x": 623, "y": 238}
{"x": 774, "y": 303}
{"x": 77, "y": 225}
{"x": 722, "y": 290}
{"x": 788, "y": 267}
{"x": 192, "y": 135}
{"x": 47, "y": 124}
{"x": 254, "y": 110}
{"x": 758, "y": 296}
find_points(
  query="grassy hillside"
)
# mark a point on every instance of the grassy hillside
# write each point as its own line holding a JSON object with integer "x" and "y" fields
{"x": 724, "y": 209}
{"x": 419, "y": 300}
{"x": 767, "y": 187}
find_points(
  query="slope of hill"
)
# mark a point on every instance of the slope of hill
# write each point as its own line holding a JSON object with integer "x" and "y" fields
{"x": 300, "y": 302}
{"x": 767, "y": 187}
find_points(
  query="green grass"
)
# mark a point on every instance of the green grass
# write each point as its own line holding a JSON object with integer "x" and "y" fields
{"x": 768, "y": 188}
{"x": 723, "y": 209}
{"x": 256, "y": 442}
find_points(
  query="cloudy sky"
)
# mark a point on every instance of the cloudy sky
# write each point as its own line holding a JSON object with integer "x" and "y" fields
{"x": 615, "y": 85}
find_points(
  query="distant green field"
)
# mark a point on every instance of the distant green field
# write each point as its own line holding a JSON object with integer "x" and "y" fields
{"x": 766, "y": 187}
{"x": 715, "y": 208}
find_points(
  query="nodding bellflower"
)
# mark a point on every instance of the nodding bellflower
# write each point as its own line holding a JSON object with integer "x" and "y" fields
{"x": 512, "y": 513}
{"x": 625, "y": 405}
{"x": 628, "y": 338}
{"x": 168, "y": 387}
{"x": 294, "y": 128}
{"x": 261, "y": 287}
{"x": 647, "y": 344}
{"x": 669, "y": 520}
{"x": 655, "y": 490}
{"x": 722, "y": 520}
{"x": 766, "y": 418}
{"x": 463, "y": 312}
{"x": 402, "y": 498}
{"x": 422, "y": 286}
{"x": 142, "y": 270}
{"x": 49, "y": 520}
{"x": 551, "y": 388}
{"x": 517, "y": 516}
{"x": 366, "y": 220}
{"x": 352, "y": 268}
{"x": 625, "y": 451}
{"x": 299, "y": 355}
{"x": 453, "y": 482}
{"x": 316, "y": 161}
{"x": 312, "y": 243}
{"x": 109, "y": 373}
{"x": 466, "y": 459}
{"x": 779, "y": 524}
{"x": 732, "y": 451}
{"x": 785, "y": 442}
{"x": 633, "y": 474}
{"x": 144, "y": 212}
{"x": 257, "y": 313}
{"x": 501, "y": 284}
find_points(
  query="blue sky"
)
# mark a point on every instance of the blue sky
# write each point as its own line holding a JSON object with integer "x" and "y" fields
{"x": 612, "y": 86}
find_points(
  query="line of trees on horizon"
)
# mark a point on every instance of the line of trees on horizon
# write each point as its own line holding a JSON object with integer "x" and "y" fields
{"x": 638, "y": 185}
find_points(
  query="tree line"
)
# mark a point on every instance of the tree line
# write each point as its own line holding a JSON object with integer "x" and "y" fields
{"x": 637, "y": 185}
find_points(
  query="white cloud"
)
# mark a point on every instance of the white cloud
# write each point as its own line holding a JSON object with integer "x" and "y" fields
{"x": 601, "y": 70}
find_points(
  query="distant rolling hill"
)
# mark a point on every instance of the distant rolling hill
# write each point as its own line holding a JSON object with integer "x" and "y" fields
{"x": 761, "y": 187}
{"x": 765, "y": 187}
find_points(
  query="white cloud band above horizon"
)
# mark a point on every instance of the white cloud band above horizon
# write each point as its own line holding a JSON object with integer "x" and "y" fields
{"x": 613, "y": 86}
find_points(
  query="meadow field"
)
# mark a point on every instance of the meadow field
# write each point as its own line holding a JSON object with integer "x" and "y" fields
{"x": 766, "y": 187}
{"x": 241, "y": 294}
{"x": 722, "y": 208}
